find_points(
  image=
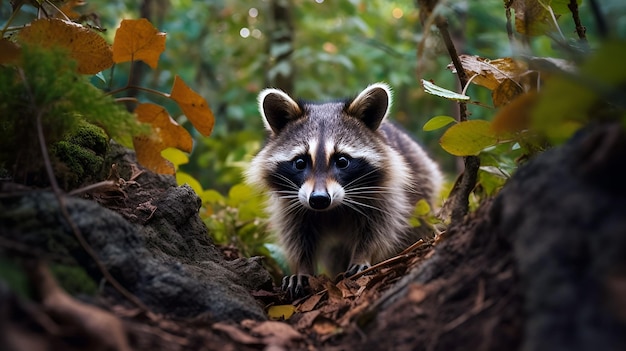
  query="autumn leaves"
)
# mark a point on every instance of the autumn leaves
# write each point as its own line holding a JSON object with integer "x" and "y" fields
{"x": 135, "y": 40}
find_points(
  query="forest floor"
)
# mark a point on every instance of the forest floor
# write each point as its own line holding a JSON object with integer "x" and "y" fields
{"x": 439, "y": 305}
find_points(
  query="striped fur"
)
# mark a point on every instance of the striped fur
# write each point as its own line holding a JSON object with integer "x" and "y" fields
{"x": 342, "y": 180}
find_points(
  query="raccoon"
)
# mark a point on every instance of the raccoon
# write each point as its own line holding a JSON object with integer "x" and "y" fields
{"x": 342, "y": 181}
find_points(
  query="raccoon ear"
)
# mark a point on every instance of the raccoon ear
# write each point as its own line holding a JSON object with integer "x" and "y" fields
{"x": 277, "y": 109}
{"x": 372, "y": 105}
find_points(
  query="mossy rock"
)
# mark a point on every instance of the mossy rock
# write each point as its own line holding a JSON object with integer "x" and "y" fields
{"x": 83, "y": 154}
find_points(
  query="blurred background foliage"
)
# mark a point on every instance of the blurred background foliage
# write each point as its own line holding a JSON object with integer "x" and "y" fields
{"x": 222, "y": 49}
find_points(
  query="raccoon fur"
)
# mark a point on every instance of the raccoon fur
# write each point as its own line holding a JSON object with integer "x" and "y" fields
{"x": 342, "y": 181}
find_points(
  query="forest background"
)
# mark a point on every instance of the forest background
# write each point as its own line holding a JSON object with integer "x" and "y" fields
{"x": 228, "y": 51}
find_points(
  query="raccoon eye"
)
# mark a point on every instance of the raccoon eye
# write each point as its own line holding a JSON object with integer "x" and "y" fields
{"x": 342, "y": 162}
{"x": 299, "y": 163}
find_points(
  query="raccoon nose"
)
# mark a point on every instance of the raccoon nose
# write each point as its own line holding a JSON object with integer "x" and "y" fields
{"x": 319, "y": 200}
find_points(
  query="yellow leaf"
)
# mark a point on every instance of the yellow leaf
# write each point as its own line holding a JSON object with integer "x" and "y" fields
{"x": 281, "y": 311}
{"x": 148, "y": 151}
{"x": 176, "y": 156}
{"x": 87, "y": 47}
{"x": 138, "y": 40}
{"x": 9, "y": 51}
{"x": 168, "y": 132}
{"x": 194, "y": 107}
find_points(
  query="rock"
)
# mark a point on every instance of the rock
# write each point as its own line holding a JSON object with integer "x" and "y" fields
{"x": 158, "y": 247}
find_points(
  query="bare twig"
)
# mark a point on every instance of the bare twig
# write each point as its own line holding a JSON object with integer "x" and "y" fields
{"x": 63, "y": 208}
{"x": 460, "y": 204}
{"x": 580, "y": 29}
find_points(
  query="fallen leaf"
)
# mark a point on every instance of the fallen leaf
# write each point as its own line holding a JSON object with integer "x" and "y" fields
{"x": 101, "y": 327}
{"x": 138, "y": 40}
{"x": 236, "y": 334}
{"x": 306, "y": 319}
{"x": 194, "y": 106}
{"x": 281, "y": 312}
{"x": 310, "y": 303}
{"x": 91, "y": 52}
{"x": 277, "y": 329}
{"x": 325, "y": 326}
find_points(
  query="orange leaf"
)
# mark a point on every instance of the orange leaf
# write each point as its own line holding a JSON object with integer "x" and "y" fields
{"x": 9, "y": 51}
{"x": 87, "y": 47}
{"x": 68, "y": 9}
{"x": 148, "y": 153}
{"x": 490, "y": 73}
{"x": 194, "y": 106}
{"x": 138, "y": 40}
{"x": 168, "y": 132}
{"x": 515, "y": 116}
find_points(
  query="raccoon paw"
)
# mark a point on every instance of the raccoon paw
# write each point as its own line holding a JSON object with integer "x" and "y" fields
{"x": 296, "y": 285}
{"x": 356, "y": 268}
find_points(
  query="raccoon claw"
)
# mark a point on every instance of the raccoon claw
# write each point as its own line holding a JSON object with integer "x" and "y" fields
{"x": 296, "y": 285}
{"x": 356, "y": 268}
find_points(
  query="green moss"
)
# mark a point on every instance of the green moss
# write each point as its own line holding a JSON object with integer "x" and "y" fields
{"x": 83, "y": 154}
{"x": 74, "y": 279}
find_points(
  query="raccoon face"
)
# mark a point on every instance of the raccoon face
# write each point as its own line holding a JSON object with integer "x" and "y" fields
{"x": 322, "y": 156}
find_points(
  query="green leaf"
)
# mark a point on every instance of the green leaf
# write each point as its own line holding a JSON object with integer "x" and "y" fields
{"x": 433, "y": 89}
{"x": 438, "y": 122}
{"x": 211, "y": 196}
{"x": 468, "y": 138}
{"x": 238, "y": 194}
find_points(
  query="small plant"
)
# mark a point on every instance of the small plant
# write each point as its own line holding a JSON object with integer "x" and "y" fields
{"x": 43, "y": 68}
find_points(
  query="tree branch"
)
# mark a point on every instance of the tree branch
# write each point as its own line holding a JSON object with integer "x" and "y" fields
{"x": 580, "y": 29}
{"x": 460, "y": 202}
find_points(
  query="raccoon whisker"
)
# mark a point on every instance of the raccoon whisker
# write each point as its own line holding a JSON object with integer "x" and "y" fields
{"x": 370, "y": 190}
{"x": 350, "y": 205}
{"x": 361, "y": 204}
{"x": 359, "y": 178}
{"x": 286, "y": 182}
{"x": 359, "y": 196}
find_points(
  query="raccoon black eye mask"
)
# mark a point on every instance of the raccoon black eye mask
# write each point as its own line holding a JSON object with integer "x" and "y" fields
{"x": 342, "y": 182}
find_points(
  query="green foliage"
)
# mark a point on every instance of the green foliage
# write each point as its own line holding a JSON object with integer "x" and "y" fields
{"x": 237, "y": 219}
{"x": 595, "y": 92}
{"x": 46, "y": 84}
